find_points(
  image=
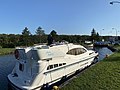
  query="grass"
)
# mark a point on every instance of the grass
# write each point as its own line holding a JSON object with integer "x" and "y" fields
{"x": 104, "y": 75}
{"x": 4, "y": 51}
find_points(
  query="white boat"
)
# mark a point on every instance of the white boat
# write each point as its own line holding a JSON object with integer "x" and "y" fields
{"x": 44, "y": 65}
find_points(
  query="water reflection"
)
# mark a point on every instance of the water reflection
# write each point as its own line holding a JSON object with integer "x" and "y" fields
{"x": 103, "y": 52}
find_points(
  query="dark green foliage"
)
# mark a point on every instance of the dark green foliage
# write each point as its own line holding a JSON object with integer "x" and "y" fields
{"x": 27, "y": 39}
{"x": 40, "y": 31}
{"x": 8, "y": 45}
{"x": 95, "y": 35}
{"x": 53, "y": 33}
{"x": 26, "y": 32}
{"x": 12, "y": 40}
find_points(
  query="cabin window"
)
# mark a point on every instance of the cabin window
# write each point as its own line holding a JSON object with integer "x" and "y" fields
{"x": 21, "y": 67}
{"x": 76, "y": 51}
{"x": 60, "y": 64}
{"x": 49, "y": 67}
{"x": 64, "y": 63}
{"x": 71, "y": 52}
{"x": 55, "y": 65}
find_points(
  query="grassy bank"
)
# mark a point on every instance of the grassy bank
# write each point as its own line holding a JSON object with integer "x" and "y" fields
{"x": 104, "y": 75}
{"x": 4, "y": 51}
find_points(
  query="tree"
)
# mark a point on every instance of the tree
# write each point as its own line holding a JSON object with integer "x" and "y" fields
{"x": 95, "y": 36}
{"x": 53, "y": 33}
{"x": 26, "y": 31}
{"x": 40, "y": 31}
{"x": 93, "y": 33}
{"x": 25, "y": 38}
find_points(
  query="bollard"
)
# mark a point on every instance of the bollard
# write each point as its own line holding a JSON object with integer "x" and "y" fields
{"x": 55, "y": 88}
{"x": 106, "y": 55}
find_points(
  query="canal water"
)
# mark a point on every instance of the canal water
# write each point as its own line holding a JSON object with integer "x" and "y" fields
{"x": 103, "y": 52}
{"x": 7, "y": 63}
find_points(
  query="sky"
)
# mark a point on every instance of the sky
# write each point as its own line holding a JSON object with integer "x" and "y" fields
{"x": 71, "y": 17}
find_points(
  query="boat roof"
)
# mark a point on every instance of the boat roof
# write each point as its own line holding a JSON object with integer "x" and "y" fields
{"x": 54, "y": 47}
{"x": 70, "y": 46}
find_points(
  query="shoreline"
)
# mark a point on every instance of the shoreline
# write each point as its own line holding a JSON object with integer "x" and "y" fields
{"x": 6, "y": 51}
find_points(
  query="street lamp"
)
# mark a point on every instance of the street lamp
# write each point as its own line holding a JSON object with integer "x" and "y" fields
{"x": 112, "y": 2}
{"x": 115, "y": 30}
{"x": 101, "y": 32}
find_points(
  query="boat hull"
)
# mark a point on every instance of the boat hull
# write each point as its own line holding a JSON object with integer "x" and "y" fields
{"x": 38, "y": 67}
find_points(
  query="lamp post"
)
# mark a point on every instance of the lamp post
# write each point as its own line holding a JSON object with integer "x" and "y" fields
{"x": 115, "y": 30}
{"x": 116, "y": 38}
{"x": 112, "y": 2}
{"x": 101, "y": 32}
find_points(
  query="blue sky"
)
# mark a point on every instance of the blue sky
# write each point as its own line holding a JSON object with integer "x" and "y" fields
{"x": 64, "y": 16}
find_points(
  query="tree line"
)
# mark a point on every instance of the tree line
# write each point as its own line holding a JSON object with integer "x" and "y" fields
{"x": 27, "y": 39}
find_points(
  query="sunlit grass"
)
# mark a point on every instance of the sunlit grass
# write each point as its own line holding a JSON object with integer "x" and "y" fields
{"x": 4, "y": 51}
{"x": 105, "y": 75}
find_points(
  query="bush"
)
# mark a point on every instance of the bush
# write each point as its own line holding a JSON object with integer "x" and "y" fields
{"x": 8, "y": 45}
